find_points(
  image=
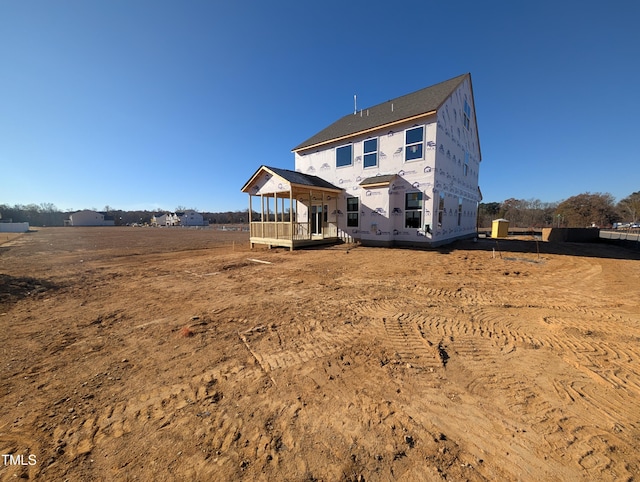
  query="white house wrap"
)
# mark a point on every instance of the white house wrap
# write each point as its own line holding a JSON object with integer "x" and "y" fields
{"x": 407, "y": 169}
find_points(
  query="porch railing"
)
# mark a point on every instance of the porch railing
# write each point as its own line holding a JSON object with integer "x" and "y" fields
{"x": 280, "y": 230}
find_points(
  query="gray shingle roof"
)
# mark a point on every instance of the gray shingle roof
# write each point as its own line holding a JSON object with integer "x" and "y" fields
{"x": 294, "y": 177}
{"x": 420, "y": 102}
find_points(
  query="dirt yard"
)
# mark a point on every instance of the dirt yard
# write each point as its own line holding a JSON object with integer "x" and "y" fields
{"x": 168, "y": 354}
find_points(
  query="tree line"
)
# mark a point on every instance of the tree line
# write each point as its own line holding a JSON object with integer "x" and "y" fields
{"x": 582, "y": 210}
{"x": 47, "y": 214}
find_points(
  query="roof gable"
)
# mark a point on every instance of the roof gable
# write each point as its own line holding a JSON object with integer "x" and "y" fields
{"x": 417, "y": 104}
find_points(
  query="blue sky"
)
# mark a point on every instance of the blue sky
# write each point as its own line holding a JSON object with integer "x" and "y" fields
{"x": 155, "y": 104}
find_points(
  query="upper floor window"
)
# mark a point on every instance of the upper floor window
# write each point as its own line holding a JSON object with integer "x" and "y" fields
{"x": 352, "y": 211}
{"x": 414, "y": 143}
{"x": 467, "y": 114}
{"x": 371, "y": 152}
{"x": 344, "y": 155}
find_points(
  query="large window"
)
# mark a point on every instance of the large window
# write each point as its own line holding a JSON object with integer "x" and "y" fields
{"x": 371, "y": 152}
{"x": 414, "y": 143}
{"x": 353, "y": 209}
{"x": 466, "y": 163}
{"x": 413, "y": 210}
{"x": 344, "y": 155}
{"x": 459, "y": 211}
{"x": 467, "y": 114}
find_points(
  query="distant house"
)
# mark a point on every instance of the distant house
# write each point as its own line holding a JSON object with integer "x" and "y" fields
{"x": 404, "y": 172}
{"x": 190, "y": 218}
{"x": 159, "y": 220}
{"x": 173, "y": 219}
{"x": 90, "y": 218}
{"x": 9, "y": 227}
{"x": 166, "y": 219}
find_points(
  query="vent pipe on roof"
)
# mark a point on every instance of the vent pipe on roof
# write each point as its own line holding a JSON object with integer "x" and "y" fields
{"x": 391, "y": 106}
{"x": 355, "y": 104}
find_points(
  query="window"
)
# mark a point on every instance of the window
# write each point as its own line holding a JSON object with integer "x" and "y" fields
{"x": 466, "y": 115}
{"x": 344, "y": 155}
{"x": 413, "y": 210}
{"x": 371, "y": 152}
{"x": 414, "y": 139}
{"x": 440, "y": 209}
{"x": 459, "y": 210}
{"x": 352, "y": 211}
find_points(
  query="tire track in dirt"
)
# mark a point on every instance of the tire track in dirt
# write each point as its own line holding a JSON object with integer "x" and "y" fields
{"x": 471, "y": 323}
{"x": 474, "y": 340}
{"x": 399, "y": 328}
{"x": 599, "y": 387}
{"x": 378, "y": 308}
{"x": 527, "y": 403}
{"x": 155, "y": 410}
{"x": 589, "y": 341}
{"x": 588, "y": 443}
{"x": 479, "y": 339}
{"x": 500, "y": 324}
{"x": 484, "y": 431}
{"x": 462, "y": 294}
{"x": 273, "y": 353}
{"x": 590, "y": 344}
{"x": 484, "y": 335}
{"x": 405, "y": 341}
{"x": 494, "y": 323}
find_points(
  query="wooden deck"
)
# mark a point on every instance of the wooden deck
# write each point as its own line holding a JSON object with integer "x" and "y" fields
{"x": 291, "y": 234}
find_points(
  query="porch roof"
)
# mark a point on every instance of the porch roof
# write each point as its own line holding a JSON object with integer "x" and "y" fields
{"x": 294, "y": 178}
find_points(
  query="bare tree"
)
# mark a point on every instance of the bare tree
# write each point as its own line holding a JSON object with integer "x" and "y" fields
{"x": 48, "y": 208}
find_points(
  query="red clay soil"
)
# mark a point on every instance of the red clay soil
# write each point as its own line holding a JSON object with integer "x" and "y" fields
{"x": 173, "y": 354}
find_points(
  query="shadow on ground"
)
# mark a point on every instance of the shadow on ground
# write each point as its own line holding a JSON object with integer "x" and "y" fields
{"x": 532, "y": 247}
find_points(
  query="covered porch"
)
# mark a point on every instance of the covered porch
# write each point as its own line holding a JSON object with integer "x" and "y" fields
{"x": 292, "y": 209}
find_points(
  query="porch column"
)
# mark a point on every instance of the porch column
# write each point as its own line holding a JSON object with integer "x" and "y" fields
{"x": 261, "y": 216}
{"x": 275, "y": 208}
{"x": 291, "y": 216}
{"x": 282, "y": 217}
{"x": 250, "y": 219}
{"x": 309, "y": 215}
{"x": 322, "y": 216}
